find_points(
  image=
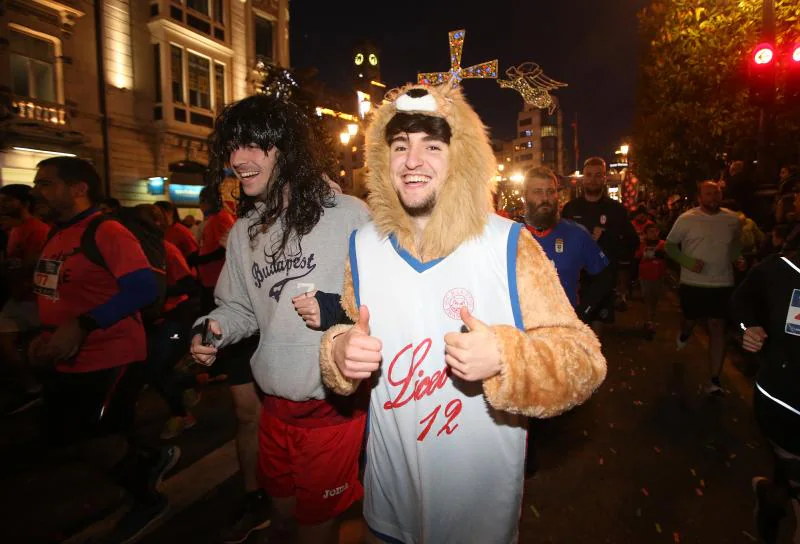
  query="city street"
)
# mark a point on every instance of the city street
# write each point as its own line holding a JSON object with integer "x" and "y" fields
{"x": 648, "y": 459}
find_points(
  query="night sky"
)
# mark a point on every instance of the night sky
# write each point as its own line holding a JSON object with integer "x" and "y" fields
{"x": 589, "y": 44}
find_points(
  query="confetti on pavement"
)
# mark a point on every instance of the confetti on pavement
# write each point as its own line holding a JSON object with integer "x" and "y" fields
{"x": 638, "y": 512}
{"x": 638, "y": 402}
{"x": 645, "y": 492}
{"x": 600, "y": 461}
{"x": 535, "y": 511}
{"x": 751, "y": 537}
{"x": 676, "y": 538}
{"x": 698, "y": 491}
{"x": 693, "y": 472}
{"x": 702, "y": 483}
{"x": 656, "y": 449}
{"x": 658, "y": 527}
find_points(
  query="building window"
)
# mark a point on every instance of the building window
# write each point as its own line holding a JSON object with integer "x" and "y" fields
{"x": 263, "y": 33}
{"x": 33, "y": 72}
{"x": 200, "y": 6}
{"x": 157, "y": 69}
{"x": 549, "y": 119}
{"x": 199, "y": 82}
{"x": 525, "y": 122}
{"x": 528, "y": 144}
{"x": 549, "y": 130}
{"x": 219, "y": 86}
{"x": 206, "y": 16}
{"x": 177, "y": 74}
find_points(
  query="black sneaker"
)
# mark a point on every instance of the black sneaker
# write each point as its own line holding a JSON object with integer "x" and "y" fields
{"x": 254, "y": 516}
{"x": 137, "y": 520}
{"x": 166, "y": 459}
{"x": 767, "y": 513}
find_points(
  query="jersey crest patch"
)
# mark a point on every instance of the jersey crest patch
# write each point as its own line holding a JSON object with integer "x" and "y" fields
{"x": 454, "y": 300}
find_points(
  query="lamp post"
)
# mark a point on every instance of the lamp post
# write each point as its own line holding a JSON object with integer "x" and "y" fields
{"x": 766, "y": 118}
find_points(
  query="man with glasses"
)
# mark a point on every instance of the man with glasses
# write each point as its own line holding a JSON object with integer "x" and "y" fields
{"x": 607, "y": 221}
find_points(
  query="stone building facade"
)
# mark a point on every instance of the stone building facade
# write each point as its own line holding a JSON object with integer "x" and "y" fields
{"x": 142, "y": 110}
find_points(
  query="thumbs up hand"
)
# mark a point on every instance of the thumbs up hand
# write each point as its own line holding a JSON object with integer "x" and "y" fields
{"x": 356, "y": 353}
{"x": 472, "y": 356}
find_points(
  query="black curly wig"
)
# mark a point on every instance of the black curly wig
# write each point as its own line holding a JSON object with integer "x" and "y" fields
{"x": 267, "y": 121}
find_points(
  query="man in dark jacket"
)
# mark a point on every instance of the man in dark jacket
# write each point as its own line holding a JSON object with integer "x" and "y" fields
{"x": 607, "y": 221}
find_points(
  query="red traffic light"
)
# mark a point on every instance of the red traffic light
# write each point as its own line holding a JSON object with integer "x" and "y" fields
{"x": 763, "y": 54}
{"x": 796, "y": 53}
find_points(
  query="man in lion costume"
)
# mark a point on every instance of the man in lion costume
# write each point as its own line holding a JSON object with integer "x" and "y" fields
{"x": 461, "y": 330}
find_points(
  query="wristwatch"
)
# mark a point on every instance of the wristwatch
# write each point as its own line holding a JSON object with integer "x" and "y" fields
{"x": 87, "y": 323}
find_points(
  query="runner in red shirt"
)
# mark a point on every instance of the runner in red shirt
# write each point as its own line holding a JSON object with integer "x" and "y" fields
{"x": 19, "y": 314}
{"x": 211, "y": 255}
{"x": 652, "y": 267}
{"x": 168, "y": 338}
{"x": 177, "y": 233}
{"x": 94, "y": 338}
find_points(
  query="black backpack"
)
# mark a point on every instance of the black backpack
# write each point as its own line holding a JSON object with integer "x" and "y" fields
{"x": 152, "y": 241}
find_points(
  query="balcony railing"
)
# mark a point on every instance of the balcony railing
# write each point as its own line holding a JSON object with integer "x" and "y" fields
{"x": 32, "y": 109}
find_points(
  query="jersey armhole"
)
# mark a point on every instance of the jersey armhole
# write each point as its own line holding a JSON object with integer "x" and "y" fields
{"x": 511, "y": 267}
{"x": 354, "y": 268}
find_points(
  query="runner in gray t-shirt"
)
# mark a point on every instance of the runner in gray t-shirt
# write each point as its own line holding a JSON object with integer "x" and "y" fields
{"x": 705, "y": 242}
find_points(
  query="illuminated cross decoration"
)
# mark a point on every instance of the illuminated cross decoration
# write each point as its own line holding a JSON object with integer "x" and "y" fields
{"x": 485, "y": 70}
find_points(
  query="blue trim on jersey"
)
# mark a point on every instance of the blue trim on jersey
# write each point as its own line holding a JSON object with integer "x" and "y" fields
{"x": 384, "y": 538}
{"x": 354, "y": 267}
{"x": 511, "y": 267}
{"x": 419, "y": 266}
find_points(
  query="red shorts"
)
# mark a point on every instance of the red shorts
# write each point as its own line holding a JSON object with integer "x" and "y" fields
{"x": 316, "y": 465}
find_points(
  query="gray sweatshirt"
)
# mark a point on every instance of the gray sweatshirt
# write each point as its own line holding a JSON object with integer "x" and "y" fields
{"x": 255, "y": 294}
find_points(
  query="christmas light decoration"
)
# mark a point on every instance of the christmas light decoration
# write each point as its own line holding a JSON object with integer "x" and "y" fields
{"x": 529, "y": 80}
{"x": 271, "y": 79}
{"x": 484, "y": 70}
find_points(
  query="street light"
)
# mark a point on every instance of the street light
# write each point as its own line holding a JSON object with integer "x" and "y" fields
{"x": 344, "y": 137}
{"x": 352, "y": 129}
{"x": 501, "y": 167}
{"x": 517, "y": 177}
{"x": 624, "y": 148}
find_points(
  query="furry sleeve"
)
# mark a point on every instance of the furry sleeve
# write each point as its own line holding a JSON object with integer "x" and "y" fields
{"x": 556, "y": 362}
{"x": 331, "y": 375}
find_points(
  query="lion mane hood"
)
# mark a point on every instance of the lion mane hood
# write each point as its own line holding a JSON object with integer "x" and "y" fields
{"x": 464, "y": 200}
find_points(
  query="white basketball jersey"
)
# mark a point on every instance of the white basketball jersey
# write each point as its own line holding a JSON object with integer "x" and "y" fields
{"x": 442, "y": 465}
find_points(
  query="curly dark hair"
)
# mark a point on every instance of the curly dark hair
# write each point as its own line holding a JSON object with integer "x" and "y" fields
{"x": 269, "y": 122}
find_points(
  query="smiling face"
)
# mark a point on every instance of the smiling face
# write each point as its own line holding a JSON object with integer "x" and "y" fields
{"x": 419, "y": 166}
{"x": 254, "y": 168}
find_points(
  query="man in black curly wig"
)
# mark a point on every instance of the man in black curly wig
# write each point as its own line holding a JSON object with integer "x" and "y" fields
{"x": 284, "y": 257}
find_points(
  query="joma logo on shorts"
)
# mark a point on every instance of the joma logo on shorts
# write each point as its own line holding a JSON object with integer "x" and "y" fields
{"x": 335, "y": 491}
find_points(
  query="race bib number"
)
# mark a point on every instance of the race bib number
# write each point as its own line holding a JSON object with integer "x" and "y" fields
{"x": 45, "y": 279}
{"x": 793, "y": 316}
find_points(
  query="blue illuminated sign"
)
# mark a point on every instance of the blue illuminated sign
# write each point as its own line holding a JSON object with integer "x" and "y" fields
{"x": 185, "y": 194}
{"x": 155, "y": 186}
